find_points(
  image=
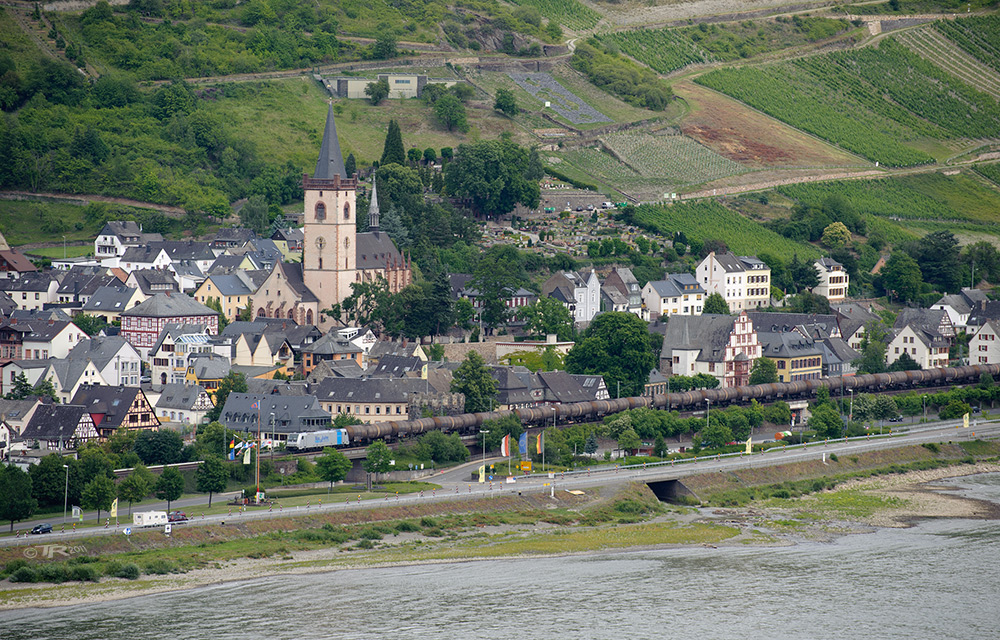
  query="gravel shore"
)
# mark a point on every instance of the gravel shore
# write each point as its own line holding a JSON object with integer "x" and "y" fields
{"x": 922, "y": 499}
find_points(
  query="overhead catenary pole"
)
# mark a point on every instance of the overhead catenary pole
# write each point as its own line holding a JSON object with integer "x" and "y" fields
{"x": 256, "y": 497}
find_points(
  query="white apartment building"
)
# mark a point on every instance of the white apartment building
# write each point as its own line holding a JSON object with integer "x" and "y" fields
{"x": 833, "y": 280}
{"x": 743, "y": 281}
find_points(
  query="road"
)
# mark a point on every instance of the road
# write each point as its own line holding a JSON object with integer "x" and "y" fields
{"x": 456, "y": 482}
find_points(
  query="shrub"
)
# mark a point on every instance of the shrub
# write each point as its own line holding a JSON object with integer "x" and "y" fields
{"x": 84, "y": 573}
{"x": 428, "y": 522}
{"x": 24, "y": 574}
{"x": 160, "y": 566}
{"x": 129, "y": 572}
{"x": 781, "y": 493}
{"x": 370, "y": 533}
{"x": 407, "y": 526}
{"x": 54, "y": 573}
{"x": 14, "y": 565}
{"x": 932, "y": 447}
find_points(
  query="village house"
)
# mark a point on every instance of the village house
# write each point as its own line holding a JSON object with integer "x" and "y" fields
{"x": 677, "y": 294}
{"x": 959, "y": 306}
{"x": 834, "y": 281}
{"x": 113, "y": 407}
{"x": 743, "y": 281}
{"x": 115, "y": 238}
{"x": 923, "y": 334}
{"x": 183, "y": 403}
{"x": 721, "y": 346}
{"x": 142, "y": 324}
{"x": 109, "y": 301}
{"x": 55, "y": 427}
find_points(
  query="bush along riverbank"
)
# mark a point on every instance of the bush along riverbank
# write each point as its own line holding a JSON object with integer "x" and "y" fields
{"x": 772, "y": 506}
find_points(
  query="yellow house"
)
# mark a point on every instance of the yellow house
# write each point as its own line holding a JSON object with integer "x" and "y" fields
{"x": 796, "y": 357}
{"x": 234, "y": 292}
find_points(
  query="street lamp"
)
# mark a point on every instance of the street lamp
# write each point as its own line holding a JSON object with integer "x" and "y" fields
{"x": 65, "y": 493}
{"x": 271, "y": 420}
{"x": 708, "y": 408}
{"x": 923, "y": 402}
{"x": 64, "y": 247}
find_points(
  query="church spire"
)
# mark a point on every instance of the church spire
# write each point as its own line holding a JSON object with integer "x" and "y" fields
{"x": 373, "y": 212}
{"x": 330, "y": 162}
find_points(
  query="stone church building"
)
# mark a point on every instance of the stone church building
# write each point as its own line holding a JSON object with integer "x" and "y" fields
{"x": 334, "y": 254}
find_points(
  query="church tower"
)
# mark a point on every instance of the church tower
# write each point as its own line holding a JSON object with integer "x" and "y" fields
{"x": 329, "y": 247}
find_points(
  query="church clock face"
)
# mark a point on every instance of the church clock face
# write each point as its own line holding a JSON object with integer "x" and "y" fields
{"x": 320, "y": 243}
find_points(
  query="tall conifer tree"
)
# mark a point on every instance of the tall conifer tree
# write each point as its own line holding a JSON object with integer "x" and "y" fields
{"x": 393, "y": 150}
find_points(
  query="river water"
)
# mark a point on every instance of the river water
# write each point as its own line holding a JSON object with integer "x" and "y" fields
{"x": 940, "y": 579}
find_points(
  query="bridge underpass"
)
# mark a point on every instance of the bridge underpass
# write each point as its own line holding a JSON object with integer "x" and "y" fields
{"x": 672, "y": 491}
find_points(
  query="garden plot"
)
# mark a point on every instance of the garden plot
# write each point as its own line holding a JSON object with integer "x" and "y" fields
{"x": 545, "y": 88}
{"x": 675, "y": 159}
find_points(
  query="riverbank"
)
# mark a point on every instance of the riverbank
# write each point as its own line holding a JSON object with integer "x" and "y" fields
{"x": 856, "y": 506}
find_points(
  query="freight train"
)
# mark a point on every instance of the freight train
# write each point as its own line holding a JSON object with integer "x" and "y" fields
{"x": 469, "y": 423}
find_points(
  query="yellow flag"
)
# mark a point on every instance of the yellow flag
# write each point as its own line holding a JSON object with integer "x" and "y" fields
{"x": 246, "y": 456}
{"x": 749, "y": 445}
{"x": 482, "y": 473}
{"x": 965, "y": 421}
{"x": 114, "y": 508}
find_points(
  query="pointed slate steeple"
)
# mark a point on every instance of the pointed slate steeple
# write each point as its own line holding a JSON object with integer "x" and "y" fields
{"x": 330, "y": 162}
{"x": 373, "y": 212}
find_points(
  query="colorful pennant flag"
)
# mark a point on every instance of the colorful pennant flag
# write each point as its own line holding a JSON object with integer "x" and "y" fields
{"x": 232, "y": 452}
{"x": 522, "y": 444}
{"x": 749, "y": 445}
{"x": 538, "y": 442}
{"x": 114, "y": 508}
{"x": 505, "y": 446}
{"x": 482, "y": 474}
{"x": 255, "y": 405}
{"x": 246, "y": 456}
{"x": 965, "y": 421}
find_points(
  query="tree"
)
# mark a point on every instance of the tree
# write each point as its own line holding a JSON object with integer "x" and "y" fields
{"x": 495, "y": 175}
{"x": 715, "y": 434}
{"x": 904, "y": 363}
{"x": 377, "y": 458}
{"x": 254, "y": 215}
{"x": 548, "y": 316}
{"x": 215, "y": 305}
{"x": 233, "y": 382}
{"x": 377, "y": 91}
{"x": 450, "y": 112}
{"x": 715, "y": 303}
{"x": 18, "y": 502}
{"x": 385, "y": 45}
{"x": 506, "y": 102}
{"x": 497, "y": 276}
{"x": 590, "y": 444}
{"x": 91, "y": 325}
{"x": 413, "y": 155}
{"x": 938, "y": 257}
{"x": 660, "y": 449}
{"x": 836, "y": 235}
{"x": 392, "y": 151}
{"x": 169, "y": 486}
{"x": 901, "y": 277}
{"x": 162, "y": 446}
{"x": 212, "y": 477}
{"x": 136, "y": 486}
{"x": 20, "y": 389}
{"x": 473, "y": 380}
{"x": 803, "y": 274}
{"x": 827, "y": 422}
{"x": 350, "y": 165}
{"x": 617, "y": 346}
{"x": 430, "y": 155}
{"x": 48, "y": 480}
{"x": 873, "y": 347}
{"x": 629, "y": 440}
{"x": 98, "y": 494}
{"x": 764, "y": 371}
{"x": 332, "y": 466}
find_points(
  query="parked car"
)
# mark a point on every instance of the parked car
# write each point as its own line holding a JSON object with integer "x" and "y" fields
{"x": 42, "y": 528}
{"x": 896, "y": 419}
{"x": 177, "y": 516}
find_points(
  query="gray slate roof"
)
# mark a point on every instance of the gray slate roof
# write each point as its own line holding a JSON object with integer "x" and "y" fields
{"x": 330, "y": 161}
{"x": 374, "y": 250}
{"x": 162, "y": 305}
{"x": 292, "y": 414}
{"x": 367, "y": 389}
{"x": 708, "y": 333}
{"x": 113, "y": 402}
{"x": 209, "y": 366}
{"x": 53, "y": 422}
{"x": 178, "y": 395}
{"x": 99, "y": 349}
{"x": 109, "y": 298}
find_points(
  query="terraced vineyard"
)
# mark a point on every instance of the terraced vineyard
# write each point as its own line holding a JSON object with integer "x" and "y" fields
{"x": 926, "y": 197}
{"x": 674, "y": 159}
{"x": 870, "y": 101}
{"x": 709, "y": 220}
{"x": 669, "y": 49}
{"x": 931, "y": 45}
{"x": 990, "y": 172}
{"x": 979, "y": 36}
{"x": 569, "y": 13}
{"x": 664, "y": 50}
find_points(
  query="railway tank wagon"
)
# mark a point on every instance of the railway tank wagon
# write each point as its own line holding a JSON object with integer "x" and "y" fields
{"x": 470, "y": 423}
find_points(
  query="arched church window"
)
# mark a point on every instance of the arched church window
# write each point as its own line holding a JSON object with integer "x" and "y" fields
{"x": 347, "y": 211}
{"x": 320, "y": 211}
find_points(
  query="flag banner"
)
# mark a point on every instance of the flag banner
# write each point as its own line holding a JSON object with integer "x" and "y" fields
{"x": 255, "y": 405}
{"x": 749, "y": 445}
{"x": 232, "y": 449}
{"x": 965, "y": 421}
{"x": 505, "y": 446}
{"x": 538, "y": 442}
{"x": 114, "y": 508}
{"x": 246, "y": 456}
{"x": 482, "y": 474}
{"x": 522, "y": 444}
